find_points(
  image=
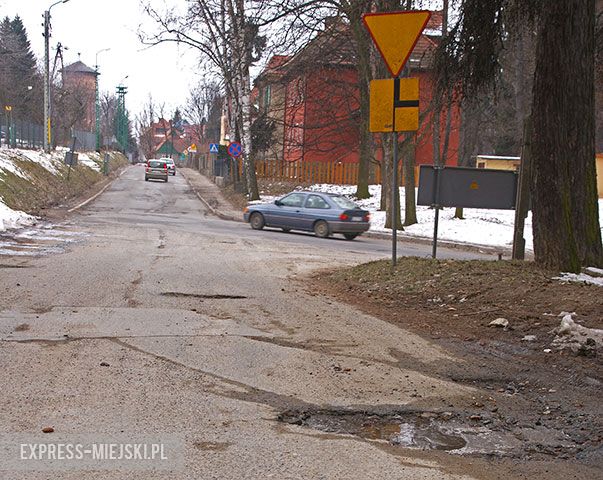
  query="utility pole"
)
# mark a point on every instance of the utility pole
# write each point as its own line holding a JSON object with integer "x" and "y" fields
{"x": 47, "y": 98}
{"x": 121, "y": 120}
{"x": 97, "y": 103}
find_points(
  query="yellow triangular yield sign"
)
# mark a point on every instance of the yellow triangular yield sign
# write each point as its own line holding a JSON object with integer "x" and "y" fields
{"x": 395, "y": 34}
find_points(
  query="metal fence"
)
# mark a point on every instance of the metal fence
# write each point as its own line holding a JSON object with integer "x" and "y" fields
{"x": 24, "y": 134}
{"x": 84, "y": 140}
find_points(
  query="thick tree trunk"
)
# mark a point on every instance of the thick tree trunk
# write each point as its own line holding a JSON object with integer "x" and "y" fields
{"x": 387, "y": 180}
{"x": 410, "y": 205}
{"x": 386, "y": 175}
{"x": 364, "y": 76}
{"x": 250, "y": 176}
{"x": 436, "y": 119}
{"x": 564, "y": 191}
{"x": 384, "y": 183}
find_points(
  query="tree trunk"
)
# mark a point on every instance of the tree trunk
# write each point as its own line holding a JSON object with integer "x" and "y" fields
{"x": 436, "y": 132}
{"x": 250, "y": 176}
{"x": 384, "y": 177}
{"x": 364, "y": 76}
{"x": 564, "y": 191}
{"x": 387, "y": 181}
{"x": 410, "y": 205}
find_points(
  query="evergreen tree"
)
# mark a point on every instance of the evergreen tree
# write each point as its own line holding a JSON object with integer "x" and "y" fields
{"x": 20, "y": 81}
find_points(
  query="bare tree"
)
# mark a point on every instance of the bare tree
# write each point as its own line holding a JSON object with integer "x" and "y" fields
{"x": 144, "y": 122}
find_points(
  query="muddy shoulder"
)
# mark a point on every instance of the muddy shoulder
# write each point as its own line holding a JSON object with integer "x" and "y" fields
{"x": 501, "y": 321}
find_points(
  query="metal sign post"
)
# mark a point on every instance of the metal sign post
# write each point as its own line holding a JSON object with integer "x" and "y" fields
{"x": 395, "y": 193}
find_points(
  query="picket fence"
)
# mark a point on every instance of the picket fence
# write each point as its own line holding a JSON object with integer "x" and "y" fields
{"x": 335, "y": 173}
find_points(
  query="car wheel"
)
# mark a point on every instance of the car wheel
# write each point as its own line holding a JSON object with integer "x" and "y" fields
{"x": 146, "y": 179}
{"x": 286, "y": 230}
{"x": 166, "y": 180}
{"x": 350, "y": 236}
{"x": 321, "y": 229}
{"x": 257, "y": 221}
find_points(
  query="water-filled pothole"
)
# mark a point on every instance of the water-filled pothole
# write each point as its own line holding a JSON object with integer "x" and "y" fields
{"x": 432, "y": 431}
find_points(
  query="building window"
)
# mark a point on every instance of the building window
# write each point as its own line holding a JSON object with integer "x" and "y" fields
{"x": 481, "y": 165}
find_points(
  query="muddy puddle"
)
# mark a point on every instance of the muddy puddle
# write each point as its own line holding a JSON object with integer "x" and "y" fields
{"x": 435, "y": 431}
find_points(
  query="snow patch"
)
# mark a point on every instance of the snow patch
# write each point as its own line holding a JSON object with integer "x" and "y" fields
{"x": 580, "y": 278}
{"x": 10, "y": 218}
{"x": 90, "y": 163}
{"x": 46, "y": 160}
{"x": 8, "y": 166}
{"x": 578, "y": 338}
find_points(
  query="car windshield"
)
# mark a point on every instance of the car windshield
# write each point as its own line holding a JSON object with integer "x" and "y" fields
{"x": 156, "y": 163}
{"x": 343, "y": 202}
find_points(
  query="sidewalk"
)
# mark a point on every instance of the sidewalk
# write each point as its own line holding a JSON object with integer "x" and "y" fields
{"x": 210, "y": 195}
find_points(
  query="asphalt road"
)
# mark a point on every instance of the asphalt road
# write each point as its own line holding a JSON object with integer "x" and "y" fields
{"x": 159, "y": 320}
{"x": 174, "y": 206}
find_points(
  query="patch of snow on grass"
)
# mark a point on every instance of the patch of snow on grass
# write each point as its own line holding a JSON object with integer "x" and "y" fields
{"x": 8, "y": 166}
{"x": 580, "y": 278}
{"x": 49, "y": 161}
{"x": 90, "y": 163}
{"x": 10, "y": 218}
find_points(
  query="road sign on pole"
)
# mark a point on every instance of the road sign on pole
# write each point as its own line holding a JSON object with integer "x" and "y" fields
{"x": 235, "y": 149}
{"x": 395, "y": 34}
{"x": 394, "y": 105}
{"x": 214, "y": 148}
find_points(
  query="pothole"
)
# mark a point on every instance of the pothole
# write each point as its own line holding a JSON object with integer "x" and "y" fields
{"x": 443, "y": 431}
{"x": 204, "y": 296}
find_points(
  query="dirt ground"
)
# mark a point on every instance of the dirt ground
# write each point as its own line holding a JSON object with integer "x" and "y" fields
{"x": 525, "y": 382}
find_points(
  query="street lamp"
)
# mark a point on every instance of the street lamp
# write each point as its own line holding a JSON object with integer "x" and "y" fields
{"x": 97, "y": 102}
{"x": 47, "y": 126}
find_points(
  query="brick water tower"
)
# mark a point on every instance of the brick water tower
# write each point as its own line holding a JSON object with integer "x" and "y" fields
{"x": 79, "y": 82}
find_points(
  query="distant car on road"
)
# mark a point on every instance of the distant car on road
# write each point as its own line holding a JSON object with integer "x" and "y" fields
{"x": 156, "y": 169}
{"x": 322, "y": 213}
{"x": 171, "y": 165}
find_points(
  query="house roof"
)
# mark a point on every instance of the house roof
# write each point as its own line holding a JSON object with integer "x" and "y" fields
{"x": 79, "y": 67}
{"x": 335, "y": 46}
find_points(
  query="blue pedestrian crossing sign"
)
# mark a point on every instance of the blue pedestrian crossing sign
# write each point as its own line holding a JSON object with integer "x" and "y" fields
{"x": 214, "y": 148}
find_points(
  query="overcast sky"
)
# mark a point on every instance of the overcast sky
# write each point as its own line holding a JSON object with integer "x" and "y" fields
{"x": 87, "y": 26}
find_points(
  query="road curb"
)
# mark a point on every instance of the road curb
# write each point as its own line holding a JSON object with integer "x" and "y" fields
{"x": 97, "y": 194}
{"x": 214, "y": 211}
{"x": 469, "y": 247}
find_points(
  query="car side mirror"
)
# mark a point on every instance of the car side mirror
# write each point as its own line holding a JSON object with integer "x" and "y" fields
{"x": 278, "y": 203}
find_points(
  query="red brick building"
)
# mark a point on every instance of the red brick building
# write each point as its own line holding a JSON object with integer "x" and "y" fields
{"x": 165, "y": 140}
{"x": 312, "y": 99}
{"x": 79, "y": 83}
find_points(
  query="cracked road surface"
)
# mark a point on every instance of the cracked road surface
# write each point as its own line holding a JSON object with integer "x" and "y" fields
{"x": 163, "y": 319}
